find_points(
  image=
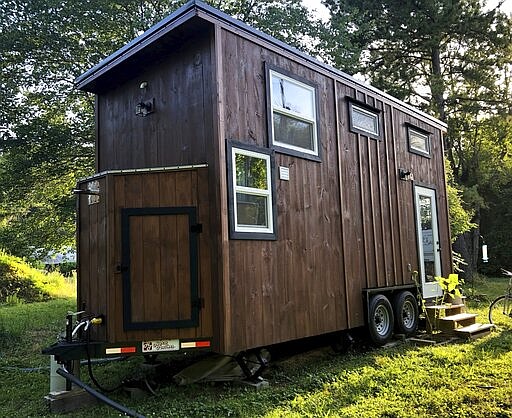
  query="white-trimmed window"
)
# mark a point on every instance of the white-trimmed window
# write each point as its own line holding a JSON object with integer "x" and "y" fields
{"x": 293, "y": 114}
{"x": 251, "y": 194}
{"x": 419, "y": 141}
{"x": 364, "y": 120}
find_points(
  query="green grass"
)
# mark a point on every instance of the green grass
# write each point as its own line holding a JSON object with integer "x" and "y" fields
{"x": 25, "y": 329}
{"x": 459, "y": 380}
{"x": 486, "y": 289}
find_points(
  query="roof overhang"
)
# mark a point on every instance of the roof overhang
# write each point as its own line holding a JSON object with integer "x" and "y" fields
{"x": 189, "y": 21}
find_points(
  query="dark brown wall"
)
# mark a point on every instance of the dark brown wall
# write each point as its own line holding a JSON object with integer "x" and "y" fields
{"x": 179, "y": 130}
{"x": 292, "y": 287}
{"x": 344, "y": 224}
{"x": 100, "y": 281}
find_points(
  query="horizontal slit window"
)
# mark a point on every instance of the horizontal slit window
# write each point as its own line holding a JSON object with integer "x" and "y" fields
{"x": 419, "y": 141}
{"x": 364, "y": 120}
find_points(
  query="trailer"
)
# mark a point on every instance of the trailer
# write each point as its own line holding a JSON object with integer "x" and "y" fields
{"x": 247, "y": 194}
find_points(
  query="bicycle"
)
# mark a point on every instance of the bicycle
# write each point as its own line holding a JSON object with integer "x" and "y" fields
{"x": 500, "y": 310}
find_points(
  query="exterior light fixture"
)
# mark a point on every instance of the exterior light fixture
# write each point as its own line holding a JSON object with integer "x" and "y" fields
{"x": 405, "y": 175}
{"x": 144, "y": 108}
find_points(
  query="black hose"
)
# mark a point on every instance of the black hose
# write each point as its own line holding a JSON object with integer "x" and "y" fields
{"x": 98, "y": 395}
{"x": 89, "y": 368}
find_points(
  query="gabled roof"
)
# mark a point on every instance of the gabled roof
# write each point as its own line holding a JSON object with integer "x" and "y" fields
{"x": 190, "y": 19}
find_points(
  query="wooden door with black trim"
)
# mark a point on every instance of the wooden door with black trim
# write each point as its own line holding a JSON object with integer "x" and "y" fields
{"x": 160, "y": 267}
{"x": 163, "y": 282}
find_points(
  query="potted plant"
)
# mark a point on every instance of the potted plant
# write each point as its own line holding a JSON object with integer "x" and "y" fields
{"x": 450, "y": 287}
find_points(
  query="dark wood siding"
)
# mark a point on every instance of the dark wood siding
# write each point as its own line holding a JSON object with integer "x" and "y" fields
{"x": 93, "y": 283}
{"x": 179, "y": 130}
{"x": 293, "y": 287}
{"x": 344, "y": 224}
{"x": 159, "y": 281}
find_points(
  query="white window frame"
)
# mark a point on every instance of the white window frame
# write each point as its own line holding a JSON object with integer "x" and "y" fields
{"x": 269, "y": 229}
{"x": 423, "y": 134}
{"x": 368, "y": 112}
{"x": 295, "y": 115}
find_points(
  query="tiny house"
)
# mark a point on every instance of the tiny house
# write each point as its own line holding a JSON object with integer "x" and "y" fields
{"x": 247, "y": 194}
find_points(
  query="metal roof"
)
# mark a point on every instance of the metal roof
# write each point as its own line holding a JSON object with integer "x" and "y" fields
{"x": 195, "y": 11}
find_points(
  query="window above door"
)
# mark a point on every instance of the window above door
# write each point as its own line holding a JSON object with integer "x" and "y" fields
{"x": 418, "y": 140}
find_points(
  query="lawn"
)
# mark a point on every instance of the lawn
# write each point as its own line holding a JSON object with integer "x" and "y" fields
{"x": 470, "y": 379}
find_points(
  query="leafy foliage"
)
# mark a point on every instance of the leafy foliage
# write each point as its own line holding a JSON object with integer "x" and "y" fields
{"x": 460, "y": 217}
{"x": 20, "y": 282}
{"x": 46, "y": 126}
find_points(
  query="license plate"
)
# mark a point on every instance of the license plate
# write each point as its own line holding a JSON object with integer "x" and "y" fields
{"x": 160, "y": 345}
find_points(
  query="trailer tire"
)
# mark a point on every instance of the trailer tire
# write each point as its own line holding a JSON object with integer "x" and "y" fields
{"x": 406, "y": 313}
{"x": 380, "y": 320}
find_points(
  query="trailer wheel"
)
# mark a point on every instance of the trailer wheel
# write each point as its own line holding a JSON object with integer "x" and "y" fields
{"x": 381, "y": 320}
{"x": 406, "y": 313}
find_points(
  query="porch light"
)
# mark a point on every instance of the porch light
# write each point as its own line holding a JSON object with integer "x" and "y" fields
{"x": 144, "y": 108}
{"x": 485, "y": 257}
{"x": 405, "y": 175}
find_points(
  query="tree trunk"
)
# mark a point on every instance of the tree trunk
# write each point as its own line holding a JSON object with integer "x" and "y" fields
{"x": 437, "y": 84}
{"x": 467, "y": 246}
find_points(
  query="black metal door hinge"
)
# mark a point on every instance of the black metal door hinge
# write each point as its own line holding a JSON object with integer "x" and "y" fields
{"x": 196, "y": 229}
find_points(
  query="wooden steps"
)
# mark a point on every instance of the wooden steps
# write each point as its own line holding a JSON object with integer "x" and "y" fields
{"x": 450, "y": 323}
{"x": 474, "y": 331}
{"x": 454, "y": 321}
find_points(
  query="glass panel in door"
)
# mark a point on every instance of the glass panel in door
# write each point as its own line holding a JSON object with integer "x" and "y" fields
{"x": 428, "y": 240}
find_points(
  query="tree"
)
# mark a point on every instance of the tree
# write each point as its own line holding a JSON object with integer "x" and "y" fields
{"x": 452, "y": 59}
{"x": 47, "y": 127}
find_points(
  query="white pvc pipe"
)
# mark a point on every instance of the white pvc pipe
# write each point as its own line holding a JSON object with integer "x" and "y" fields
{"x": 57, "y": 382}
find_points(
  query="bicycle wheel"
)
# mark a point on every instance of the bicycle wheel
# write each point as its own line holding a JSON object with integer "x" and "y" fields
{"x": 500, "y": 311}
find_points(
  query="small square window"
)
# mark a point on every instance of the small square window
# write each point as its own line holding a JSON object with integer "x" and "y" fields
{"x": 419, "y": 141}
{"x": 364, "y": 120}
{"x": 293, "y": 115}
{"x": 250, "y": 189}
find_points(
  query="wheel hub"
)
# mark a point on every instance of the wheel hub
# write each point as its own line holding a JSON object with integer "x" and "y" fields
{"x": 382, "y": 322}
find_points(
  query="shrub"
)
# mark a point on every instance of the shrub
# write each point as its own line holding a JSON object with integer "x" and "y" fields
{"x": 17, "y": 287}
{"x": 22, "y": 283}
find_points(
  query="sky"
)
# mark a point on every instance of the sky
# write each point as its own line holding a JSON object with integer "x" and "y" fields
{"x": 320, "y": 8}
{"x": 324, "y": 14}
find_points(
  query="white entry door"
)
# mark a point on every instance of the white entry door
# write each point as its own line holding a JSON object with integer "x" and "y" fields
{"x": 428, "y": 240}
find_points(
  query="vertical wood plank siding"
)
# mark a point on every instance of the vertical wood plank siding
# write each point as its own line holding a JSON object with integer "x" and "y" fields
{"x": 159, "y": 279}
{"x": 178, "y": 132}
{"x": 344, "y": 224}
